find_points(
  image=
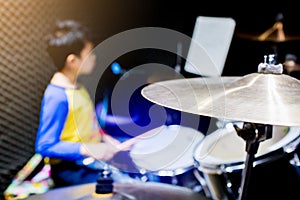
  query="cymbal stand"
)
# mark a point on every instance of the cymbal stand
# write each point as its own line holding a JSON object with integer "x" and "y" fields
{"x": 253, "y": 134}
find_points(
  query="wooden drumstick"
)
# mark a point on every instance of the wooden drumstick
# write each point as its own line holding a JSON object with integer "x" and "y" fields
{"x": 128, "y": 143}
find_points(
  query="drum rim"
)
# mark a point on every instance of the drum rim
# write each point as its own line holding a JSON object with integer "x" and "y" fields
{"x": 170, "y": 172}
{"x": 221, "y": 167}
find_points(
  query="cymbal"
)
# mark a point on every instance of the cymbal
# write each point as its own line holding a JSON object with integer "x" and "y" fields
{"x": 272, "y": 38}
{"x": 274, "y": 34}
{"x": 139, "y": 190}
{"x": 258, "y": 97}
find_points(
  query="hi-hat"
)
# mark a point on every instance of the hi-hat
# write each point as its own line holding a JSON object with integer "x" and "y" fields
{"x": 258, "y": 98}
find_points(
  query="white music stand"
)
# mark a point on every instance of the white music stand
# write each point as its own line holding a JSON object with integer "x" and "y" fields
{"x": 209, "y": 46}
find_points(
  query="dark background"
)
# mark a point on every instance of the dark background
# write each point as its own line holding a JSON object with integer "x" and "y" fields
{"x": 25, "y": 68}
{"x": 252, "y": 17}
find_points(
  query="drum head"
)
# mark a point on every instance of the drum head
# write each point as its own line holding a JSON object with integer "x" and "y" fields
{"x": 169, "y": 149}
{"x": 225, "y": 147}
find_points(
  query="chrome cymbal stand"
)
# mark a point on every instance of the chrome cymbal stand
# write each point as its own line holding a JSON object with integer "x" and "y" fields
{"x": 253, "y": 134}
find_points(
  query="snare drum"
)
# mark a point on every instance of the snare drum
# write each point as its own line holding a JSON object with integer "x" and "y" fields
{"x": 167, "y": 156}
{"x": 220, "y": 157}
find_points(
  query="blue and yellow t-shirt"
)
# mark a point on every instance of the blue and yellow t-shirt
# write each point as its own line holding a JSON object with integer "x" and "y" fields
{"x": 67, "y": 119}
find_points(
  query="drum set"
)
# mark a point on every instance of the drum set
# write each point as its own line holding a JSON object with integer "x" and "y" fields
{"x": 252, "y": 156}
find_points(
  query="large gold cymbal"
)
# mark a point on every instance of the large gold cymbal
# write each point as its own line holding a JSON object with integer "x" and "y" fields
{"x": 274, "y": 34}
{"x": 258, "y": 98}
{"x": 136, "y": 190}
{"x": 276, "y": 38}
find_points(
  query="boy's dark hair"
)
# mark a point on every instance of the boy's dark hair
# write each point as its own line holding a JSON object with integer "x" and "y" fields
{"x": 68, "y": 37}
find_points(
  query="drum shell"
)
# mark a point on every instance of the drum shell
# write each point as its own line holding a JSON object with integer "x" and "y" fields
{"x": 272, "y": 169}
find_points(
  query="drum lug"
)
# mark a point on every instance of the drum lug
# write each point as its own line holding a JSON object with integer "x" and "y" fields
{"x": 143, "y": 177}
{"x": 174, "y": 180}
{"x": 295, "y": 161}
{"x": 292, "y": 146}
{"x": 203, "y": 183}
{"x": 227, "y": 170}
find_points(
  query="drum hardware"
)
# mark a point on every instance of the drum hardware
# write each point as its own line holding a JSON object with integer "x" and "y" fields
{"x": 104, "y": 183}
{"x": 209, "y": 185}
{"x": 219, "y": 159}
{"x": 270, "y": 67}
{"x": 104, "y": 188}
{"x": 253, "y": 134}
{"x": 295, "y": 160}
{"x": 292, "y": 146}
{"x": 202, "y": 182}
{"x": 260, "y": 99}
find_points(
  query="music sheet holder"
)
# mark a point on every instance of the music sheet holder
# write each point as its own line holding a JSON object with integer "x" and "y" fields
{"x": 209, "y": 45}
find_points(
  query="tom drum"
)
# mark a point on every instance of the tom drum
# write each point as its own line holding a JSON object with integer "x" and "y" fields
{"x": 167, "y": 156}
{"x": 220, "y": 157}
